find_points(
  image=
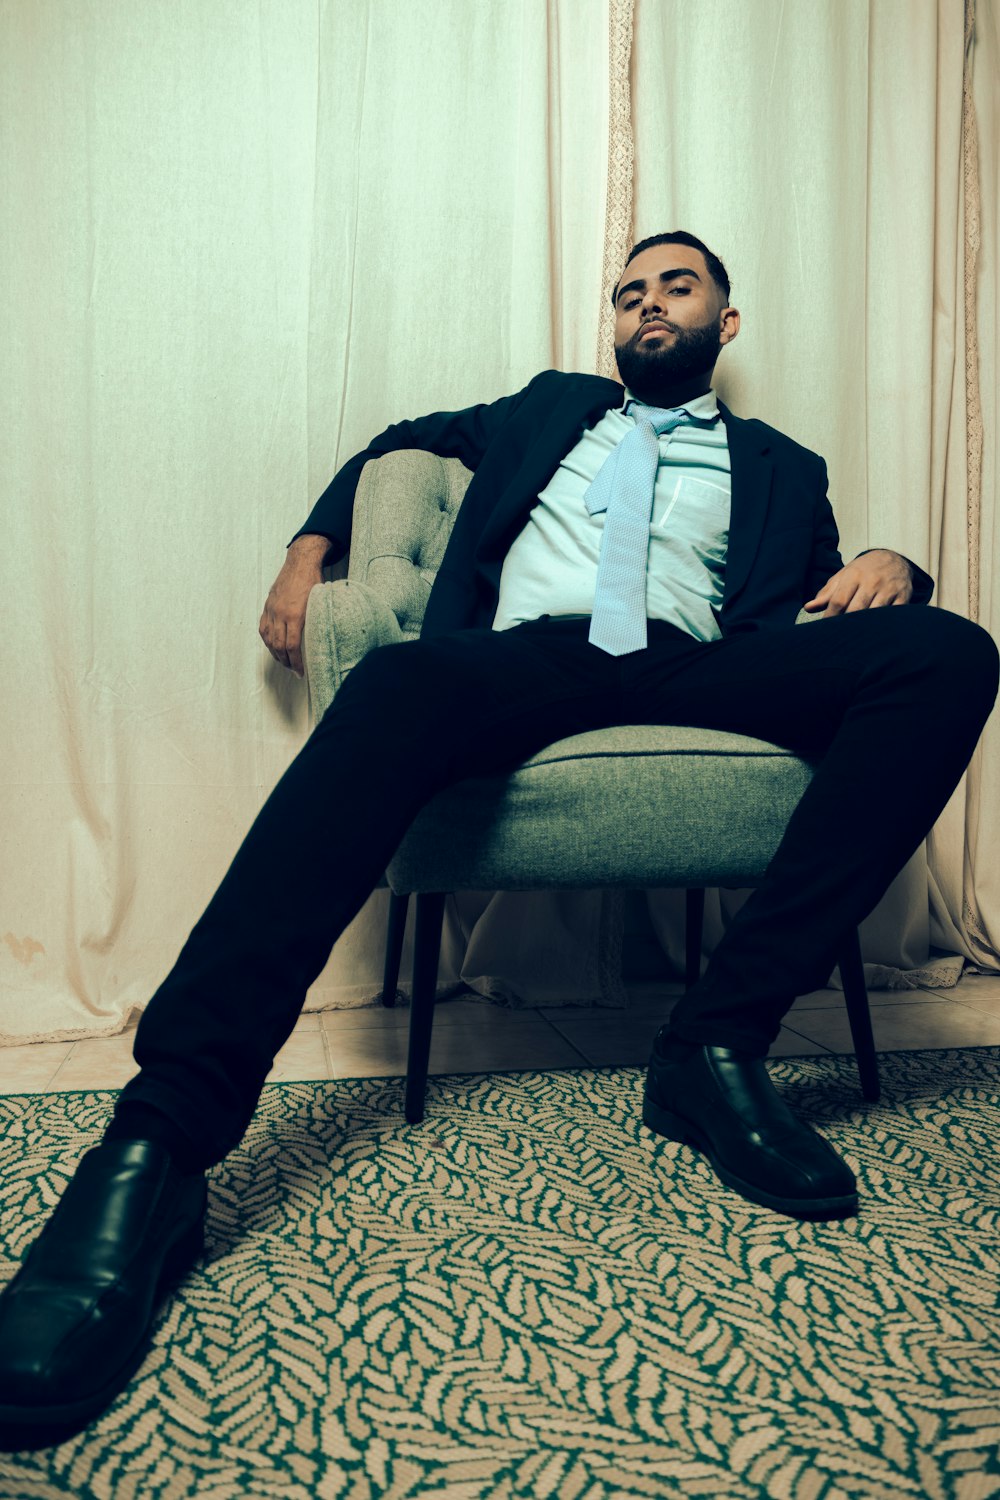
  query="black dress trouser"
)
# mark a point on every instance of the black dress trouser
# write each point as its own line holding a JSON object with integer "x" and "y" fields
{"x": 861, "y": 693}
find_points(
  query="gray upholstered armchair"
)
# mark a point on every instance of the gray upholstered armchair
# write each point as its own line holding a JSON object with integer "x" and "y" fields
{"x": 726, "y": 798}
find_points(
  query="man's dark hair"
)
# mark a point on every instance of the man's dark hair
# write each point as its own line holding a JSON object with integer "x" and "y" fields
{"x": 681, "y": 237}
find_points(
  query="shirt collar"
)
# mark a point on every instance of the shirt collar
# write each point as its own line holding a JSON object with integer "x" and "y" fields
{"x": 701, "y": 406}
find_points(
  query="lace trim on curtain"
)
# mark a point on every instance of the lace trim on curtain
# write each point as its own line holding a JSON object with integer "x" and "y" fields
{"x": 621, "y": 155}
{"x": 974, "y": 929}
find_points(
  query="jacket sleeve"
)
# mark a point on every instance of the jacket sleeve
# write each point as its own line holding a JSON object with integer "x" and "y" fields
{"x": 826, "y": 559}
{"x": 464, "y": 434}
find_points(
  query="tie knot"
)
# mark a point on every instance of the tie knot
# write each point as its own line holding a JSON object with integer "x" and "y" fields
{"x": 665, "y": 419}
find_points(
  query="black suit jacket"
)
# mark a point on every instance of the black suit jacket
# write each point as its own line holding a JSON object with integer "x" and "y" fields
{"x": 783, "y": 539}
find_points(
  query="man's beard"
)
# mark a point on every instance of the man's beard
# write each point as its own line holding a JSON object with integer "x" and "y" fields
{"x": 668, "y": 362}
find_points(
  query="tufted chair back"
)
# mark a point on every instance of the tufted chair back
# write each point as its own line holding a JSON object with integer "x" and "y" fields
{"x": 401, "y": 528}
{"x": 404, "y": 508}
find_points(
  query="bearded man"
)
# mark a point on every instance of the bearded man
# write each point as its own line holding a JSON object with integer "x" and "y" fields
{"x": 625, "y": 553}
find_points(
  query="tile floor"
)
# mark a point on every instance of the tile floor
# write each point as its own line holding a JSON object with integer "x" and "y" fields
{"x": 473, "y": 1036}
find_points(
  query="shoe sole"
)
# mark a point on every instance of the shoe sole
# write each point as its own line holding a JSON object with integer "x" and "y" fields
{"x": 179, "y": 1261}
{"x": 664, "y": 1122}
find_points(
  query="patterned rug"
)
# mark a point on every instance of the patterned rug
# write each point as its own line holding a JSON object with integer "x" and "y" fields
{"x": 530, "y": 1294}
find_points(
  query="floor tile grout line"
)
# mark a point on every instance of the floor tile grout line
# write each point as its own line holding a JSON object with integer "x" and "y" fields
{"x": 569, "y": 1041}
{"x": 59, "y": 1067}
{"x": 962, "y": 1004}
{"x": 327, "y": 1052}
{"x": 804, "y": 1036}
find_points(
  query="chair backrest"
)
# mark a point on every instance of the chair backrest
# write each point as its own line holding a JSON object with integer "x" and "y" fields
{"x": 404, "y": 508}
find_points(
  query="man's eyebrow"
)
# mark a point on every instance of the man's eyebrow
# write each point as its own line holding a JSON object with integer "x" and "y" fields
{"x": 640, "y": 285}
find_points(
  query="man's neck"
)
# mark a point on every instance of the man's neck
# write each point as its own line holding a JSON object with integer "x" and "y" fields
{"x": 666, "y": 396}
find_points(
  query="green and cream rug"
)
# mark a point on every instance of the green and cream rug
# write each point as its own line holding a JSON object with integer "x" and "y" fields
{"x": 530, "y": 1294}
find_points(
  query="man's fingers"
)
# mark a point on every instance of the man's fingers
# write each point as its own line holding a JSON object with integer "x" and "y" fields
{"x": 841, "y": 604}
{"x": 293, "y": 651}
{"x": 283, "y": 638}
{"x": 862, "y": 585}
{"x": 284, "y": 617}
{"x": 850, "y": 596}
{"x": 272, "y": 633}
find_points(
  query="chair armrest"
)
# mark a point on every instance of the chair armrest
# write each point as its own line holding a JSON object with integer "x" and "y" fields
{"x": 344, "y": 621}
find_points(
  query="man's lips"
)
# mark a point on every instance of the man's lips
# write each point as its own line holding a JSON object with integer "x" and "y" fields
{"x": 648, "y": 328}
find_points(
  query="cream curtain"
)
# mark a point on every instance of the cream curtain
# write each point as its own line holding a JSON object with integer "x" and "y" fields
{"x": 158, "y": 165}
{"x": 241, "y": 238}
{"x": 829, "y": 150}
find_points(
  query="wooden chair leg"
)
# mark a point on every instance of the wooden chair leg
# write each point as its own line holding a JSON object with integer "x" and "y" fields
{"x": 426, "y": 952}
{"x": 394, "y": 945}
{"x": 852, "y": 973}
{"x": 694, "y": 921}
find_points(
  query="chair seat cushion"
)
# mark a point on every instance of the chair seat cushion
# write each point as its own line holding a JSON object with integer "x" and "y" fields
{"x": 636, "y": 806}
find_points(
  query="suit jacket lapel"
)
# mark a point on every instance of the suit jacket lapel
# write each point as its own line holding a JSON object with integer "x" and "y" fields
{"x": 579, "y": 407}
{"x": 751, "y": 477}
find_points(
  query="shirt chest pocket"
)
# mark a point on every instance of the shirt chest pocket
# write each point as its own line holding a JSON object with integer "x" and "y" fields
{"x": 695, "y": 510}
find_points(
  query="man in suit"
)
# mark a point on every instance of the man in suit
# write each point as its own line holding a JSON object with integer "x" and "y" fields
{"x": 624, "y": 553}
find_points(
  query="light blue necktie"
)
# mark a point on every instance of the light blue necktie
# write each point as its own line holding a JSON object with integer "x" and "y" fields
{"x": 624, "y": 486}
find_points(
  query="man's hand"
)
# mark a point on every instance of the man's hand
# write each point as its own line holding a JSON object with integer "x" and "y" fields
{"x": 284, "y": 616}
{"x": 876, "y": 578}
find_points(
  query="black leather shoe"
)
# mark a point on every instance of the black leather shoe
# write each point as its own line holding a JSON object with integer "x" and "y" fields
{"x": 722, "y": 1102}
{"x": 75, "y": 1320}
